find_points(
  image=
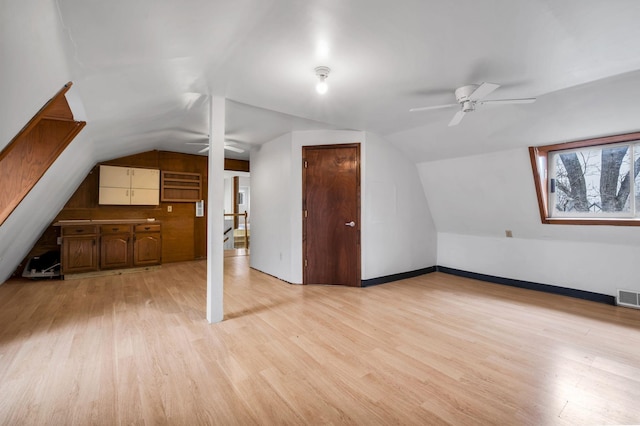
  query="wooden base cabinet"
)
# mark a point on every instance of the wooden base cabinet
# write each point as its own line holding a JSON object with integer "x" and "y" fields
{"x": 115, "y": 246}
{"x": 147, "y": 248}
{"x": 88, "y": 248}
{"x": 79, "y": 249}
{"x": 79, "y": 254}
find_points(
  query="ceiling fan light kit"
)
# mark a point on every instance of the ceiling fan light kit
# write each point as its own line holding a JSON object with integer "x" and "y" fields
{"x": 322, "y": 73}
{"x": 227, "y": 146}
{"x": 470, "y": 96}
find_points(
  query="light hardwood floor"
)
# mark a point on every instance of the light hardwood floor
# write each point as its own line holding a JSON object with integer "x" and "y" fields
{"x": 437, "y": 349}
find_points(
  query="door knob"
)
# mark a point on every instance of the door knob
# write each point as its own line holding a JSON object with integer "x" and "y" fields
{"x": 351, "y": 224}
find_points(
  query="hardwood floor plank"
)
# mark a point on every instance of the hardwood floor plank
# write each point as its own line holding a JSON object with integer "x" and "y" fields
{"x": 434, "y": 349}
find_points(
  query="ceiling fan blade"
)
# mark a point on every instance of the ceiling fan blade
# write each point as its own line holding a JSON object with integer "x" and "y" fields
{"x": 197, "y": 143}
{"x": 483, "y": 90}
{"x": 432, "y": 107}
{"x": 457, "y": 118}
{"x": 205, "y": 149}
{"x": 233, "y": 148}
{"x": 510, "y": 101}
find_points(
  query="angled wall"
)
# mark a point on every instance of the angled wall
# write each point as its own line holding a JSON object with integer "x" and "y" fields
{"x": 33, "y": 69}
{"x": 475, "y": 199}
{"x": 397, "y": 231}
{"x": 33, "y": 62}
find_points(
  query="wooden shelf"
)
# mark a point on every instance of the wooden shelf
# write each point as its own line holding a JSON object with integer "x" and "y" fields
{"x": 180, "y": 186}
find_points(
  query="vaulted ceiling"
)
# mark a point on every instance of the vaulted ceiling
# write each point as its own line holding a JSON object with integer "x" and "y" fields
{"x": 143, "y": 69}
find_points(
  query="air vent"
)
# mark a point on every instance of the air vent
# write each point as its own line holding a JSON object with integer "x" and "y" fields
{"x": 628, "y": 298}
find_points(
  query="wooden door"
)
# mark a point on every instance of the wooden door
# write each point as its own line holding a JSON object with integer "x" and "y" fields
{"x": 147, "y": 249}
{"x": 79, "y": 254}
{"x": 331, "y": 214}
{"x": 115, "y": 251}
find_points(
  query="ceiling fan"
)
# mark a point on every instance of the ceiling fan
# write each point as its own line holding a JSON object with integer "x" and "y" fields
{"x": 469, "y": 97}
{"x": 228, "y": 146}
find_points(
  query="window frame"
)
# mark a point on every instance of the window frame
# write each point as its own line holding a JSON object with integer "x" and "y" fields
{"x": 539, "y": 156}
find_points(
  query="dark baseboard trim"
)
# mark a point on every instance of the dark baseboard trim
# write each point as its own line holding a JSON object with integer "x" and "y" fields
{"x": 397, "y": 277}
{"x": 579, "y": 294}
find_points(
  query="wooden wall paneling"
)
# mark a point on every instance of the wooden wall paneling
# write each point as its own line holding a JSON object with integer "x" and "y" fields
{"x": 182, "y": 162}
{"x": 51, "y": 104}
{"x": 178, "y": 233}
{"x": 184, "y": 235}
{"x": 86, "y": 195}
{"x": 200, "y": 223}
{"x": 236, "y": 165}
{"x": 59, "y": 109}
{"x": 191, "y": 164}
{"x": 32, "y": 151}
{"x": 145, "y": 160}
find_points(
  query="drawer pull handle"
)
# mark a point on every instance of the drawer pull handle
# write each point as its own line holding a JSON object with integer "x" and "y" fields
{"x": 146, "y": 228}
{"x": 114, "y": 229}
{"x": 79, "y": 230}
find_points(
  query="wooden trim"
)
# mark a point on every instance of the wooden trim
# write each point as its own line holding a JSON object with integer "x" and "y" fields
{"x": 355, "y": 145}
{"x": 541, "y": 191}
{"x": 35, "y": 120}
{"x": 397, "y": 277}
{"x": 236, "y": 165}
{"x": 540, "y": 179}
{"x": 589, "y": 221}
{"x": 30, "y": 154}
{"x": 236, "y": 188}
{"x": 59, "y": 109}
{"x": 604, "y": 140}
{"x": 546, "y": 288}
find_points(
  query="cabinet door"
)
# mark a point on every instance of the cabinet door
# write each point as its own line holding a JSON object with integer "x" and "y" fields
{"x": 144, "y": 197}
{"x": 79, "y": 254}
{"x": 118, "y": 196}
{"x": 115, "y": 177}
{"x": 147, "y": 249}
{"x": 115, "y": 251}
{"x": 145, "y": 179}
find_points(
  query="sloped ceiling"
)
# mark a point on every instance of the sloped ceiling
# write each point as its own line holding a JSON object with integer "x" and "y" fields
{"x": 143, "y": 69}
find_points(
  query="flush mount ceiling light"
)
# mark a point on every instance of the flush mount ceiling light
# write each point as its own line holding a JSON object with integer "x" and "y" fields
{"x": 322, "y": 73}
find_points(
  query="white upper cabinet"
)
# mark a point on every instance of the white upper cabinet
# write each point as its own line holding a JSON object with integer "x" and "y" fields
{"x": 145, "y": 178}
{"x": 115, "y": 177}
{"x": 129, "y": 186}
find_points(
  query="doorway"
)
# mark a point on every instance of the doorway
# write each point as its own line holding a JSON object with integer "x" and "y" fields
{"x": 237, "y": 201}
{"x": 331, "y": 214}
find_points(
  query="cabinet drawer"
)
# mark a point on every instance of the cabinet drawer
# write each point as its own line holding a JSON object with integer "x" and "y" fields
{"x": 148, "y": 228}
{"x": 78, "y": 230}
{"x": 115, "y": 229}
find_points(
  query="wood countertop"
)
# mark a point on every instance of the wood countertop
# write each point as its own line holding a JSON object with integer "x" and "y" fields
{"x": 103, "y": 221}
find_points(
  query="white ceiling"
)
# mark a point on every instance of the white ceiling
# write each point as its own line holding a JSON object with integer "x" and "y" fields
{"x": 144, "y": 68}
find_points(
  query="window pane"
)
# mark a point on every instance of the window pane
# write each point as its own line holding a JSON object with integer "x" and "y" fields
{"x": 591, "y": 181}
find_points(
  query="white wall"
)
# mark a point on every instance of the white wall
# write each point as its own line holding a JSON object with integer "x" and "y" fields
{"x": 33, "y": 70}
{"x": 228, "y": 194}
{"x": 475, "y": 199}
{"x": 400, "y": 234}
{"x": 33, "y": 215}
{"x": 397, "y": 230}
{"x": 309, "y": 138}
{"x": 271, "y": 208}
{"x": 32, "y": 60}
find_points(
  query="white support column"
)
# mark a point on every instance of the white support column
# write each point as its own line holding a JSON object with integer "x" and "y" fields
{"x": 215, "y": 211}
